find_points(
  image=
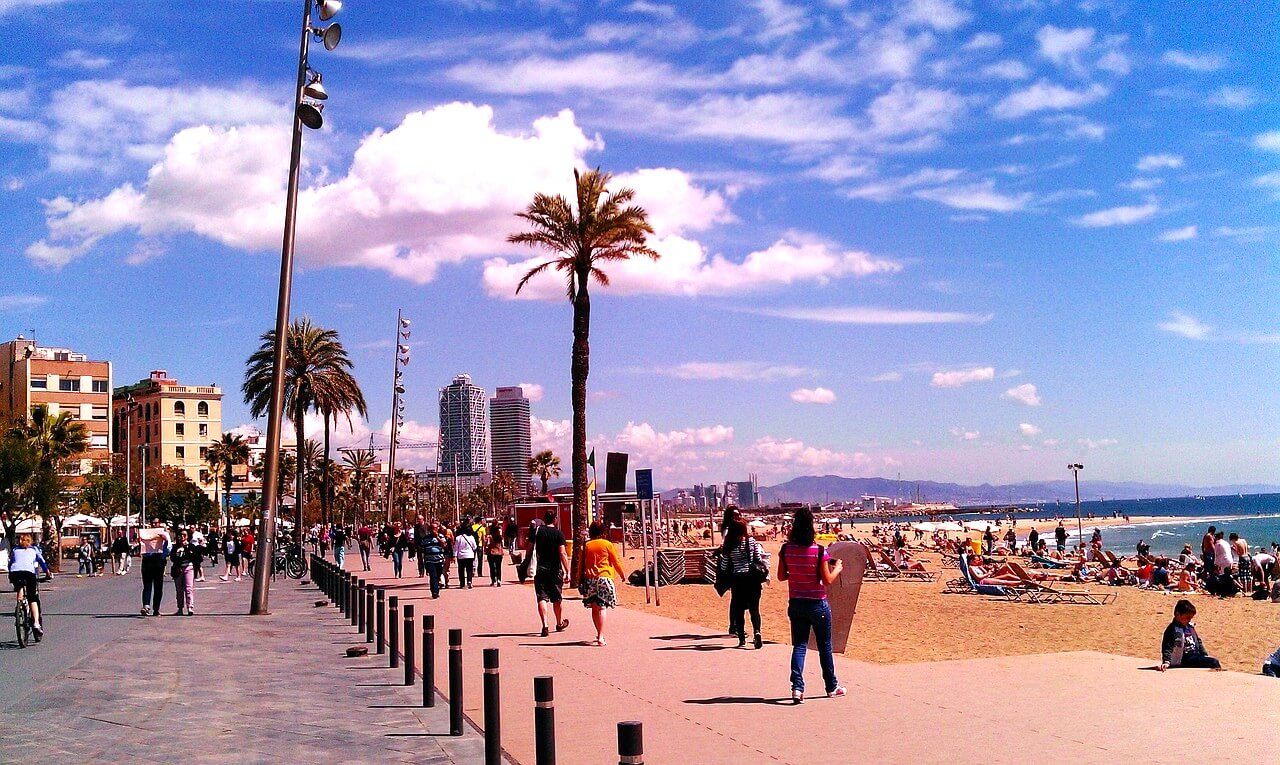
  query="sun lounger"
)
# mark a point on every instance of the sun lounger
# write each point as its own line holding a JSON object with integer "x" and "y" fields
{"x": 994, "y": 590}
{"x": 902, "y": 574}
{"x": 1047, "y": 594}
{"x": 1044, "y": 562}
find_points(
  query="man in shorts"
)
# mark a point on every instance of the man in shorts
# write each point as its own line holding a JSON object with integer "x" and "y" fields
{"x": 552, "y": 570}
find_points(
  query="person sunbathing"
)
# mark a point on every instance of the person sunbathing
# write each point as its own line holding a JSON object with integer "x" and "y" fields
{"x": 903, "y": 560}
{"x": 1000, "y": 574}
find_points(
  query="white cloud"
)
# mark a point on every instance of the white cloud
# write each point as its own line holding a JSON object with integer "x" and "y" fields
{"x": 780, "y": 19}
{"x": 1064, "y": 46}
{"x": 813, "y": 396}
{"x": 685, "y": 268}
{"x": 439, "y": 188}
{"x": 1074, "y": 126}
{"x": 1158, "y": 162}
{"x": 907, "y": 109}
{"x": 886, "y": 377}
{"x": 1023, "y": 394}
{"x": 1268, "y": 141}
{"x": 1117, "y": 216}
{"x": 976, "y": 196}
{"x": 954, "y": 379}
{"x": 1268, "y": 180}
{"x": 1196, "y": 62}
{"x": 595, "y": 72}
{"x": 1102, "y": 443}
{"x": 24, "y": 131}
{"x": 649, "y": 442}
{"x": 732, "y": 370}
{"x": 80, "y": 60}
{"x": 10, "y": 6}
{"x": 1046, "y": 96}
{"x": 984, "y": 41}
{"x": 1008, "y": 69}
{"x": 532, "y": 391}
{"x": 1142, "y": 184}
{"x": 1186, "y": 326}
{"x": 774, "y": 454}
{"x": 1115, "y": 62}
{"x": 102, "y": 125}
{"x": 1027, "y": 429}
{"x": 16, "y": 302}
{"x": 965, "y": 435}
{"x": 1243, "y": 233}
{"x": 1179, "y": 234}
{"x": 1232, "y": 97}
{"x": 870, "y": 315}
{"x": 942, "y": 15}
{"x": 1051, "y": 442}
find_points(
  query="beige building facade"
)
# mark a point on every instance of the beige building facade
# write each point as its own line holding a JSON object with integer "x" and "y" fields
{"x": 65, "y": 381}
{"x": 175, "y": 424}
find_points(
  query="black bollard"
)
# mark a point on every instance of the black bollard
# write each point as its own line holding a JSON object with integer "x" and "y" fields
{"x": 428, "y": 660}
{"x": 409, "y": 644}
{"x": 368, "y": 613}
{"x": 630, "y": 743}
{"x": 360, "y": 606}
{"x": 393, "y": 637}
{"x": 544, "y": 721}
{"x": 382, "y": 621}
{"x": 353, "y": 599}
{"x": 342, "y": 591}
{"x": 492, "y": 709}
{"x": 455, "y": 682}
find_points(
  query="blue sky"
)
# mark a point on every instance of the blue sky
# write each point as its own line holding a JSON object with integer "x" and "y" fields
{"x": 966, "y": 241}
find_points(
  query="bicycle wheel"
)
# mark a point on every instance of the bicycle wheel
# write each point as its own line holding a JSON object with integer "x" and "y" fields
{"x": 20, "y": 624}
{"x": 294, "y": 568}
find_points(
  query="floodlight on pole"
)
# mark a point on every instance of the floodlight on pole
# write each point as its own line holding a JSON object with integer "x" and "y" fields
{"x": 309, "y": 93}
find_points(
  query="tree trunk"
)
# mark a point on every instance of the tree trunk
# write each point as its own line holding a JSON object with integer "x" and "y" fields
{"x": 325, "y": 501}
{"x": 298, "y": 479}
{"x": 579, "y": 369}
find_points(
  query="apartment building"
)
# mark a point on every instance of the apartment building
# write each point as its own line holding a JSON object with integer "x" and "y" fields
{"x": 175, "y": 424}
{"x": 65, "y": 381}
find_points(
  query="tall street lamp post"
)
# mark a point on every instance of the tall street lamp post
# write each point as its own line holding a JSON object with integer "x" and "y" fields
{"x": 1075, "y": 470}
{"x": 397, "y": 407}
{"x": 307, "y": 107}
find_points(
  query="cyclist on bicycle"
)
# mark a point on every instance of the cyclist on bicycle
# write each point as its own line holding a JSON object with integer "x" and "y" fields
{"x": 24, "y": 560}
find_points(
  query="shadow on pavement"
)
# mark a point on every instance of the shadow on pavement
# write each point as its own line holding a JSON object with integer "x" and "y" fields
{"x": 507, "y": 634}
{"x": 696, "y": 648}
{"x": 784, "y": 701}
{"x": 685, "y": 637}
{"x": 567, "y": 643}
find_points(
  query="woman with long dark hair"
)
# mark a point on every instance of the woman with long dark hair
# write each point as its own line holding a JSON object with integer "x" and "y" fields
{"x": 807, "y": 570}
{"x": 744, "y": 565}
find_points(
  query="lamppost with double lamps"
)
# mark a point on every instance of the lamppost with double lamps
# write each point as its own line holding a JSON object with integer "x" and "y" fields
{"x": 1075, "y": 470}
{"x": 309, "y": 96}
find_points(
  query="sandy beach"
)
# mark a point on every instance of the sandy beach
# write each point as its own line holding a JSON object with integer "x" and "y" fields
{"x": 908, "y": 622}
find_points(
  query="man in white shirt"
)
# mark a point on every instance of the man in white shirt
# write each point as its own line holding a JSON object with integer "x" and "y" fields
{"x": 1223, "y": 557}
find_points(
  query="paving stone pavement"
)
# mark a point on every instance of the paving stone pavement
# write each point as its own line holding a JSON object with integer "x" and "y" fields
{"x": 226, "y": 687}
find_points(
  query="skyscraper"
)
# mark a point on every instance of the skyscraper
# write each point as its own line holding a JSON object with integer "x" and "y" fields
{"x": 464, "y": 429}
{"x": 509, "y": 434}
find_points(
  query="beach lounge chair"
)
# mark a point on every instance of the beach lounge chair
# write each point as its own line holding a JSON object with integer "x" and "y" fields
{"x": 1044, "y": 593}
{"x": 1044, "y": 562}
{"x": 903, "y": 574}
{"x": 993, "y": 590}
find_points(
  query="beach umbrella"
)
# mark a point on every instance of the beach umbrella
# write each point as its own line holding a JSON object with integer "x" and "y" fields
{"x": 119, "y": 520}
{"x": 950, "y": 526}
{"x": 29, "y": 526}
{"x": 757, "y": 523}
{"x": 925, "y": 526}
{"x": 979, "y": 525}
{"x": 81, "y": 519}
{"x": 242, "y": 522}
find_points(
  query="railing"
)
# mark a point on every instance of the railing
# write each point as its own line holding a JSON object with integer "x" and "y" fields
{"x": 355, "y": 597}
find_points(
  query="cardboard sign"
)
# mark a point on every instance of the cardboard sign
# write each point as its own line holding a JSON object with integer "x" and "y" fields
{"x": 842, "y": 594}
{"x": 153, "y": 540}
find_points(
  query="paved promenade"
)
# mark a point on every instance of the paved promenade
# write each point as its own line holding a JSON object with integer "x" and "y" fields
{"x": 701, "y": 699}
{"x": 220, "y": 687}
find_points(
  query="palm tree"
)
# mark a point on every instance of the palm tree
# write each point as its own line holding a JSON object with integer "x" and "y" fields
{"x": 315, "y": 363}
{"x": 336, "y": 395}
{"x": 222, "y": 457}
{"x": 545, "y": 465}
{"x": 55, "y": 439}
{"x": 604, "y": 227}
{"x": 502, "y": 490}
{"x": 359, "y": 464}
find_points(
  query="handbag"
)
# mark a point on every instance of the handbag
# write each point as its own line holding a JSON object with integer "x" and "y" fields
{"x": 758, "y": 570}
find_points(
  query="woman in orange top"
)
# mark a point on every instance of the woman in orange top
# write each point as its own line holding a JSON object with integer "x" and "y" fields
{"x": 600, "y": 566}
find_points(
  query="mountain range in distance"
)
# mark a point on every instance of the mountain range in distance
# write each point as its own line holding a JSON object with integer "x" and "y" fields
{"x": 834, "y": 488}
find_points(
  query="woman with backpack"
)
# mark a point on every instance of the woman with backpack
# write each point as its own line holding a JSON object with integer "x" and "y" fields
{"x": 807, "y": 570}
{"x": 494, "y": 549}
{"x": 399, "y": 546}
{"x": 747, "y": 573}
{"x": 465, "y": 547}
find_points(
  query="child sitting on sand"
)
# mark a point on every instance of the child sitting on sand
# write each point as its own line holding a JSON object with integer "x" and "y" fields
{"x": 1182, "y": 646}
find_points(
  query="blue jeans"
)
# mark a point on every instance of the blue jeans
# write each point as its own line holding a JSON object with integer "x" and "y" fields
{"x": 434, "y": 570}
{"x": 808, "y": 614}
{"x": 397, "y": 561}
{"x": 339, "y": 555}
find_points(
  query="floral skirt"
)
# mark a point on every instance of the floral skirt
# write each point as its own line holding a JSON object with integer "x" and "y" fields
{"x": 599, "y": 592}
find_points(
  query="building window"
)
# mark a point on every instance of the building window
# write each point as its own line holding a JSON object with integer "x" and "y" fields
{"x": 204, "y": 476}
{"x": 204, "y": 430}
{"x": 99, "y": 413}
{"x": 180, "y": 430}
{"x": 156, "y": 429}
{"x": 98, "y": 441}
{"x": 40, "y": 382}
{"x": 100, "y": 386}
{"x": 155, "y": 452}
{"x": 180, "y": 452}
{"x": 202, "y": 409}
{"x": 204, "y": 452}
{"x": 146, "y": 412}
{"x": 69, "y": 384}
{"x": 179, "y": 409}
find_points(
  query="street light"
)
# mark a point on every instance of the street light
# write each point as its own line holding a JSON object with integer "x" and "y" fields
{"x": 397, "y": 406}
{"x": 307, "y": 107}
{"x": 1075, "y": 470}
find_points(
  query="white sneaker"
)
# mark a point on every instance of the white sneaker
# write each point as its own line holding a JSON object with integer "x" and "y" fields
{"x": 223, "y": 578}
{"x": 237, "y": 578}
{"x": 146, "y": 610}
{"x": 837, "y": 692}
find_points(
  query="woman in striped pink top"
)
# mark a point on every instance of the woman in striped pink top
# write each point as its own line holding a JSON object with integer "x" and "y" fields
{"x": 807, "y": 570}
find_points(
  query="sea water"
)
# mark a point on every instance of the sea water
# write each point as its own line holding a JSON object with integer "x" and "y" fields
{"x": 1256, "y": 517}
